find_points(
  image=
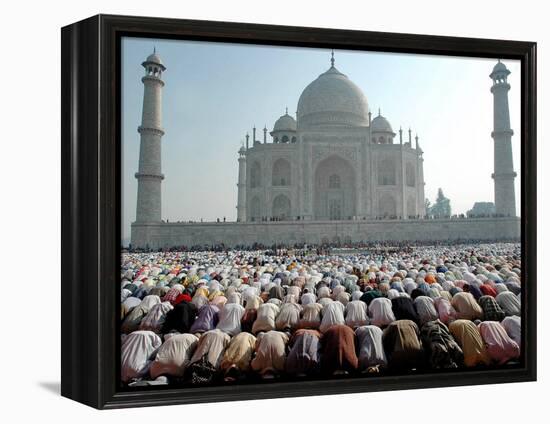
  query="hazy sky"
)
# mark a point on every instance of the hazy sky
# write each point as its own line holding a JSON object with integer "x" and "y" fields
{"x": 216, "y": 92}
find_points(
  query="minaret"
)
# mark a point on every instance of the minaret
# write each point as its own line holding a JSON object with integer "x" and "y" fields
{"x": 241, "y": 187}
{"x": 149, "y": 174}
{"x": 504, "y": 175}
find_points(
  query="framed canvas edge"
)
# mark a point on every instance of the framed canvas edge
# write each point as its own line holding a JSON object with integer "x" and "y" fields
{"x": 91, "y": 202}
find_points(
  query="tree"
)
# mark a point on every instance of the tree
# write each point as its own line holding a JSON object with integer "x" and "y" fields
{"x": 427, "y": 206}
{"x": 442, "y": 206}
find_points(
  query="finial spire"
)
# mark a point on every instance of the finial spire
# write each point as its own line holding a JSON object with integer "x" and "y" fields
{"x": 154, "y": 49}
{"x": 286, "y": 110}
{"x": 332, "y": 58}
{"x": 379, "y": 112}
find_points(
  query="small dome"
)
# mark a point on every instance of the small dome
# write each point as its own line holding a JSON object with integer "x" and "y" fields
{"x": 380, "y": 124}
{"x": 500, "y": 67}
{"x": 332, "y": 100}
{"x": 154, "y": 58}
{"x": 499, "y": 70}
{"x": 285, "y": 123}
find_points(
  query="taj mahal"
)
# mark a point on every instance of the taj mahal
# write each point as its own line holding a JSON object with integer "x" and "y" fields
{"x": 335, "y": 174}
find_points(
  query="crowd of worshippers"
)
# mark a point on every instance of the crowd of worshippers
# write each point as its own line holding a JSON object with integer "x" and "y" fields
{"x": 210, "y": 317}
{"x": 324, "y": 248}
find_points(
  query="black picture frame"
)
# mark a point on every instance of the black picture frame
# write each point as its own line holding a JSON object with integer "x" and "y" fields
{"x": 91, "y": 203}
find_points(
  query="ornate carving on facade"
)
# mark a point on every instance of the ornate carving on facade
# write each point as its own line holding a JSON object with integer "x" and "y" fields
{"x": 321, "y": 152}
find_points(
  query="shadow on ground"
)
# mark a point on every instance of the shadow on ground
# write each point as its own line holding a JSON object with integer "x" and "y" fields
{"x": 51, "y": 386}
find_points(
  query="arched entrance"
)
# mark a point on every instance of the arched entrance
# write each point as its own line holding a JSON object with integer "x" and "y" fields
{"x": 334, "y": 189}
{"x": 281, "y": 173}
{"x": 281, "y": 207}
{"x": 255, "y": 209}
{"x": 387, "y": 207}
{"x": 411, "y": 207}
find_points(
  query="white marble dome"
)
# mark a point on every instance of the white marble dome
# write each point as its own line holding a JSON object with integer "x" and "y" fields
{"x": 332, "y": 100}
{"x": 499, "y": 71}
{"x": 500, "y": 67}
{"x": 380, "y": 124}
{"x": 285, "y": 123}
{"x": 154, "y": 58}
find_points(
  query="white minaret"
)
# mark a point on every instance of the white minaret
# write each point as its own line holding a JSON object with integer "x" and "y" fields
{"x": 504, "y": 175}
{"x": 149, "y": 174}
{"x": 241, "y": 186}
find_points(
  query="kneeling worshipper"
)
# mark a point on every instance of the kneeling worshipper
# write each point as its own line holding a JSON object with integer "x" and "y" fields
{"x": 356, "y": 314}
{"x": 491, "y": 309}
{"x": 402, "y": 345}
{"x": 466, "y": 306}
{"x": 205, "y": 362}
{"x": 133, "y": 319}
{"x": 206, "y": 320}
{"x": 265, "y": 321}
{"x": 333, "y": 314}
{"x": 403, "y": 308}
{"x": 500, "y": 347}
{"x": 270, "y": 357}
{"x": 236, "y": 358}
{"x": 289, "y": 317}
{"x": 154, "y": 319}
{"x": 173, "y": 294}
{"x": 305, "y": 353}
{"x": 442, "y": 350}
{"x": 509, "y": 302}
{"x": 311, "y": 316}
{"x": 370, "y": 295}
{"x": 127, "y": 306}
{"x": 252, "y": 303}
{"x": 180, "y": 319}
{"x": 425, "y": 309}
{"x": 230, "y": 318}
{"x": 380, "y": 312}
{"x": 371, "y": 351}
{"x": 512, "y": 325}
{"x": 136, "y": 354}
{"x": 445, "y": 310}
{"x": 469, "y": 339}
{"x": 338, "y": 350}
{"x": 488, "y": 290}
{"x": 174, "y": 355}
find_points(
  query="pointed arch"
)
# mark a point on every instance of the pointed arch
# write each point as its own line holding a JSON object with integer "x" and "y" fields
{"x": 386, "y": 172}
{"x": 281, "y": 207}
{"x": 410, "y": 175}
{"x": 281, "y": 173}
{"x": 334, "y": 189}
{"x": 255, "y": 209}
{"x": 387, "y": 206}
{"x": 411, "y": 207}
{"x": 255, "y": 175}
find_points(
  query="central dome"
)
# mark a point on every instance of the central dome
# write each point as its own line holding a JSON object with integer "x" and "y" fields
{"x": 332, "y": 100}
